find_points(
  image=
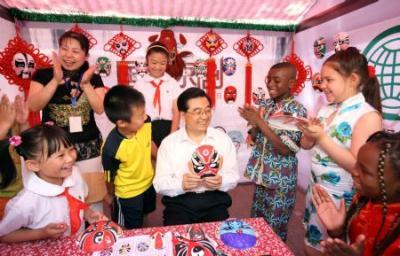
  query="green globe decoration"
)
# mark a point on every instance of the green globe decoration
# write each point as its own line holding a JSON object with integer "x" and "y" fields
{"x": 383, "y": 52}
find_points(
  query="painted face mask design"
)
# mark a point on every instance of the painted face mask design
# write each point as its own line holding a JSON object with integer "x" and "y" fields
{"x": 342, "y": 41}
{"x": 230, "y": 94}
{"x": 99, "y": 236}
{"x": 103, "y": 66}
{"x": 200, "y": 68}
{"x": 23, "y": 65}
{"x": 196, "y": 244}
{"x": 316, "y": 82}
{"x": 258, "y": 95}
{"x": 141, "y": 66}
{"x": 320, "y": 47}
{"x": 205, "y": 161}
{"x": 229, "y": 66}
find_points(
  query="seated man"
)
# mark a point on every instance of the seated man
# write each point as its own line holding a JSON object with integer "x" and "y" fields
{"x": 196, "y": 165}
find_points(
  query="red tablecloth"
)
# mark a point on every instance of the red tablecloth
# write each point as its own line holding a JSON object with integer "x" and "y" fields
{"x": 268, "y": 243}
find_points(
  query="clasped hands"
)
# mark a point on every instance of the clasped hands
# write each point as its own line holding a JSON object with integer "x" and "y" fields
{"x": 191, "y": 181}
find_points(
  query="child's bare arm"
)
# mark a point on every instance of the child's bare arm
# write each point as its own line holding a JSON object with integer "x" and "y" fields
{"x": 52, "y": 230}
{"x": 252, "y": 116}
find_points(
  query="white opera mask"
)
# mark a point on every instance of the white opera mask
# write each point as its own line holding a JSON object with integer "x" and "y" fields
{"x": 23, "y": 65}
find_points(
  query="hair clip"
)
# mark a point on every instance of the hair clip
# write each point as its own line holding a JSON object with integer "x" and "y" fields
{"x": 371, "y": 71}
{"x": 49, "y": 123}
{"x": 15, "y": 140}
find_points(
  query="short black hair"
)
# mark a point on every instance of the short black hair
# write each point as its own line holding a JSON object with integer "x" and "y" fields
{"x": 119, "y": 100}
{"x": 81, "y": 38}
{"x": 188, "y": 94}
{"x": 286, "y": 65}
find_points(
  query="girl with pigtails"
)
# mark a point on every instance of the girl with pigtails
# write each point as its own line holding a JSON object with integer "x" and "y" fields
{"x": 337, "y": 133}
{"x": 372, "y": 224}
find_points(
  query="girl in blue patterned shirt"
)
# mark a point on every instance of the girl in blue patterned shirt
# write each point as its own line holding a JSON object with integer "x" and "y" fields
{"x": 338, "y": 132}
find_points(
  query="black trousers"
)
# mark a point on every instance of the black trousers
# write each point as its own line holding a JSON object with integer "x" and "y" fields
{"x": 196, "y": 207}
{"x": 129, "y": 212}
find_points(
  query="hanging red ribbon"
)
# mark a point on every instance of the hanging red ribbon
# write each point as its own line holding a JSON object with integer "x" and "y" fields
{"x": 212, "y": 44}
{"x": 157, "y": 95}
{"x": 248, "y": 83}
{"x": 211, "y": 83}
{"x": 122, "y": 72}
{"x": 75, "y": 206}
{"x": 248, "y": 46}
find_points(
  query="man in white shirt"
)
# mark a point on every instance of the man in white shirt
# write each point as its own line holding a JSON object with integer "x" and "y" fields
{"x": 196, "y": 165}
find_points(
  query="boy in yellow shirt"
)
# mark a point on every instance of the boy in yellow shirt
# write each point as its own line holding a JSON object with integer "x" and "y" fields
{"x": 126, "y": 157}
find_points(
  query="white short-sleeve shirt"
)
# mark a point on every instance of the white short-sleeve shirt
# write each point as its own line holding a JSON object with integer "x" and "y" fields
{"x": 39, "y": 204}
{"x": 169, "y": 91}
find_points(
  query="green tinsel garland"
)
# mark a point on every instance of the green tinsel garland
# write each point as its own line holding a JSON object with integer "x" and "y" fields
{"x": 163, "y": 23}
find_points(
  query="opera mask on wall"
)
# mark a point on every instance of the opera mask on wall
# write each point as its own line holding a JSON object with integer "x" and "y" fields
{"x": 230, "y": 94}
{"x": 23, "y": 65}
{"x": 320, "y": 47}
{"x": 341, "y": 41}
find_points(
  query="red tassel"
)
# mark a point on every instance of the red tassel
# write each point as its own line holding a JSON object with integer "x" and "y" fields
{"x": 34, "y": 117}
{"x": 211, "y": 83}
{"x": 248, "y": 82}
{"x": 123, "y": 72}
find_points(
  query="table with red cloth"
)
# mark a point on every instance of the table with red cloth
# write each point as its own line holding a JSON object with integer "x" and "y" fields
{"x": 268, "y": 243}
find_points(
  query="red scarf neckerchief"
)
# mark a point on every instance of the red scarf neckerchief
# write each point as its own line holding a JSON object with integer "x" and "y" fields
{"x": 157, "y": 95}
{"x": 75, "y": 206}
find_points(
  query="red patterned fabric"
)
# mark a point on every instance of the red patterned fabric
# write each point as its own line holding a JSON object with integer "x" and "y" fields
{"x": 368, "y": 221}
{"x": 268, "y": 243}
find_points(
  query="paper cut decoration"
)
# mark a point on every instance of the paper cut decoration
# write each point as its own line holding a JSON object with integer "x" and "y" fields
{"x": 18, "y": 62}
{"x": 304, "y": 72}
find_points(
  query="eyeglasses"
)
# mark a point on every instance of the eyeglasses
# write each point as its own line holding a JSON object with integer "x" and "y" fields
{"x": 200, "y": 112}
